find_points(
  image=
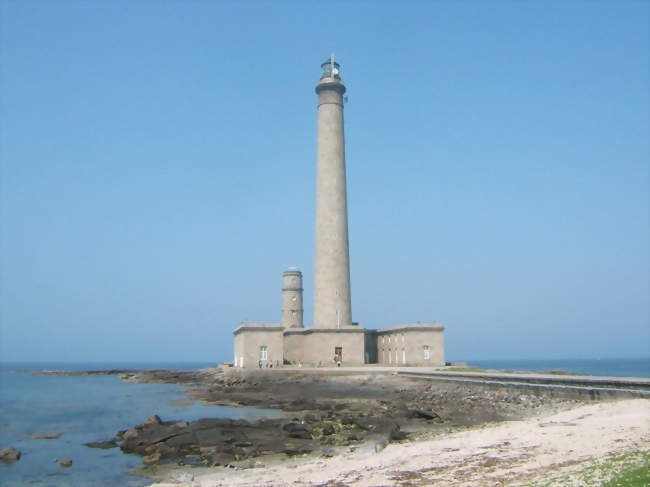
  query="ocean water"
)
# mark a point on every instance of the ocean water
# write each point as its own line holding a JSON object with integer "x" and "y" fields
{"x": 85, "y": 409}
{"x": 629, "y": 367}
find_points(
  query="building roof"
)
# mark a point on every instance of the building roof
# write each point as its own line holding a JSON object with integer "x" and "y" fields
{"x": 434, "y": 326}
{"x": 258, "y": 327}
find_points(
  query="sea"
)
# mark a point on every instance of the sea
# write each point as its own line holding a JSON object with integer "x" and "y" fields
{"x": 608, "y": 367}
{"x": 92, "y": 408}
{"x": 85, "y": 409}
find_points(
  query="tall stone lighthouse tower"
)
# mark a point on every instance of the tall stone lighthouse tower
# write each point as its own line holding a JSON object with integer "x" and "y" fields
{"x": 332, "y": 306}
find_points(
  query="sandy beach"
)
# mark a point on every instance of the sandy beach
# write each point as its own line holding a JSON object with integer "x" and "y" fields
{"x": 506, "y": 453}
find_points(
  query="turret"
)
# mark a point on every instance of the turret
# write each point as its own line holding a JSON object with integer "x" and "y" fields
{"x": 292, "y": 298}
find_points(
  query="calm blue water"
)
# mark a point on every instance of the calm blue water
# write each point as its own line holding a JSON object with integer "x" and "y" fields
{"x": 85, "y": 409}
{"x": 635, "y": 367}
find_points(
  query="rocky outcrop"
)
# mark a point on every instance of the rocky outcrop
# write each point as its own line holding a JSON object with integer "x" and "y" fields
{"x": 102, "y": 445}
{"x": 428, "y": 415}
{"x": 9, "y": 455}
{"x": 45, "y": 436}
{"x": 326, "y": 414}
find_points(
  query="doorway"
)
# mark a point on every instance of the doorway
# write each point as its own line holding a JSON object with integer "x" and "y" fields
{"x": 338, "y": 354}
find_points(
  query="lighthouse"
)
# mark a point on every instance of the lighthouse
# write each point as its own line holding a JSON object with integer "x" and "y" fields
{"x": 333, "y": 340}
{"x": 332, "y": 302}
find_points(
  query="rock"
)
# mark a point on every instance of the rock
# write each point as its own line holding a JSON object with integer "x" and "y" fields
{"x": 182, "y": 402}
{"x": 219, "y": 458}
{"x": 250, "y": 463}
{"x": 328, "y": 453}
{"x": 242, "y": 443}
{"x": 312, "y": 417}
{"x": 297, "y": 430}
{"x": 293, "y": 450}
{"x": 102, "y": 445}
{"x": 363, "y": 423}
{"x": 155, "y": 419}
{"x": 151, "y": 459}
{"x": 66, "y": 463}
{"x": 129, "y": 434}
{"x": 9, "y": 455}
{"x": 46, "y": 436}
{"x": 328, "y": 429}
{"x": 429, "y": 416}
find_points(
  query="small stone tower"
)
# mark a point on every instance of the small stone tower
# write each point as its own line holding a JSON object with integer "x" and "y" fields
{"x": 332, "y": 304}
{"x": 292, "y": 298}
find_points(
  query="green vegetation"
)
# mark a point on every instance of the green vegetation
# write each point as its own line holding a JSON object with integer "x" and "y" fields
{"x": 632, "y": 476}
{"x": 627, "y": 470}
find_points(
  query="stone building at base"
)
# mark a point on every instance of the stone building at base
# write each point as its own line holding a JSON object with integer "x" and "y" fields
{"x": 289, "y": 343}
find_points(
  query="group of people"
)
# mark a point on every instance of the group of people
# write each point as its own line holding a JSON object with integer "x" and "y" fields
{"x": 269, "y": 364}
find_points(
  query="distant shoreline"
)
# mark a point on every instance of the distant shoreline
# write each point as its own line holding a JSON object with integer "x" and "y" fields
{"x": 610, "y": 367}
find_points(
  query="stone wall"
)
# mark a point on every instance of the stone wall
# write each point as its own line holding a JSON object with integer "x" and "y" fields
{"x": 411, "y": 345}
{"x": 293, "y": 346}
{"x": 316, "y": 346}
{"x": 249, "y": 337}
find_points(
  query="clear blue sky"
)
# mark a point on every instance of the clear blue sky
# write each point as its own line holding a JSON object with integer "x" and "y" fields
{"x": 158, "y": 173}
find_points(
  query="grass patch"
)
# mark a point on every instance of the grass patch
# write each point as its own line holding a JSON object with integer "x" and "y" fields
{"x": 632, "y": 476}
{"x": 626, "y": 470}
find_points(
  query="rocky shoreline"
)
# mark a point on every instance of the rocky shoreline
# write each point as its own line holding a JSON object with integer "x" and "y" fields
{"x": 328, "y": 413}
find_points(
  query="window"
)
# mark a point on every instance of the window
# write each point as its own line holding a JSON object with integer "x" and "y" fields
{"x": 293, "y": 299}
{"x": 263, "y": 352}
{"x": 404, "y": 356}
{"x": 293, "y": 313}
{"x": 425, "y": 350}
